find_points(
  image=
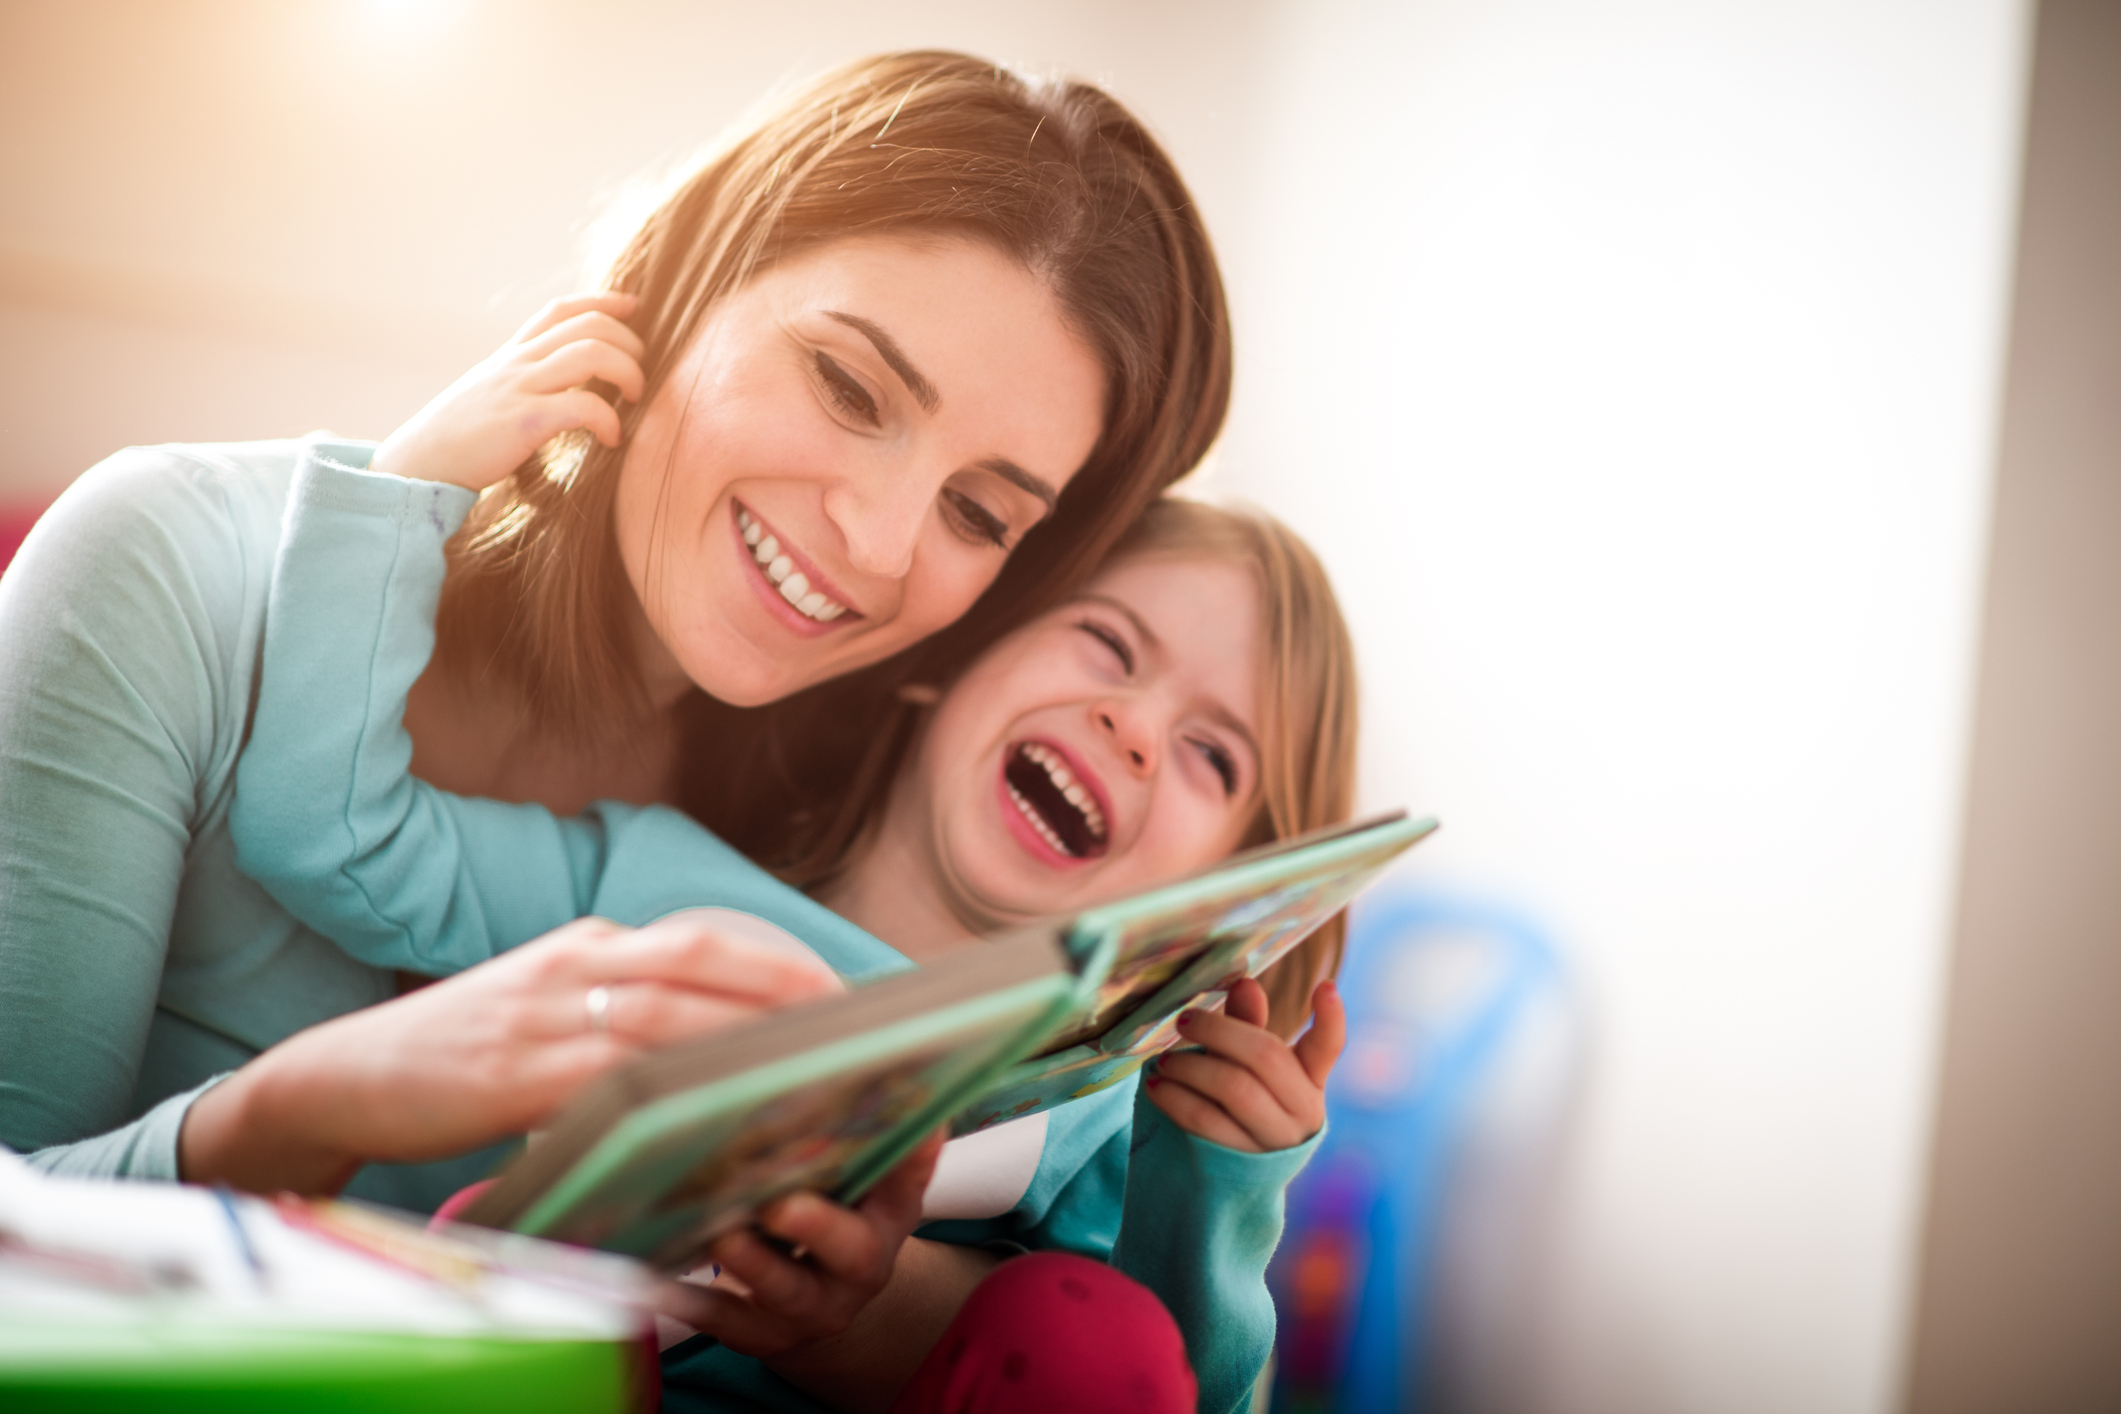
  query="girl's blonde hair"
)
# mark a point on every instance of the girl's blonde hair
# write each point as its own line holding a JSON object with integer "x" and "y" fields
{"x": 1056, "y": 175}
{"x": 1308, "y": 699}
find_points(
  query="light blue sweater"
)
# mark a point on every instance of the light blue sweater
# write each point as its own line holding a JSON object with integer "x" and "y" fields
{"x": 329, "y": 820}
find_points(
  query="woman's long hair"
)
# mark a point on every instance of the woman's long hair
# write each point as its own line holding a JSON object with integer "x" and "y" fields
{"x": 1056, "y": 175}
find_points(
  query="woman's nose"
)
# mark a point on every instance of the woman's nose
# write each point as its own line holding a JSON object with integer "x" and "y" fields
{"x": 881, "y": 516}
{"x": 1130, "y": 735}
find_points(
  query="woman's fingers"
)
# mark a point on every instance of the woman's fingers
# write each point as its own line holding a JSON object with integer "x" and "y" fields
{"x": 687, "y": 951}
{"x": 1198, "y": 1115}
{"x": 616, "y": 303}
{"x": 594, "y": 325}
{"x": 1318, "y": 1048}
{"x": 574, "y": 364}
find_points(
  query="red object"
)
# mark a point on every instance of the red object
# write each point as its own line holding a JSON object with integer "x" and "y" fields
{"x": 1054, "y": 1333}
{"x": 458, "y": 1201}
{"x": 15, "y": 522}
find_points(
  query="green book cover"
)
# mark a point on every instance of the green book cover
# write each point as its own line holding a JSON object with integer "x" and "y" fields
{"x": 668, "y": 1152}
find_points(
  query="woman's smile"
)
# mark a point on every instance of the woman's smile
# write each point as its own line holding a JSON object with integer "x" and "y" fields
{"x": 878, "y": 422}
{"x": 793, "y": 588}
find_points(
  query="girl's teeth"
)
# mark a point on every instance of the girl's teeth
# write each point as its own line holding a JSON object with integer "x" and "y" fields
{"x": 767, "y": 549}
{"x": 1045, "y": 831}
{"x": 752, "y": 533}
{"x": 780, "y": 568}
{"x": 794, "y": 587}
{"x": 810, "y": 603}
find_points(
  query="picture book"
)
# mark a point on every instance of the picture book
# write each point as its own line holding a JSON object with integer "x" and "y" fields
{"x": 672, "y": 1150}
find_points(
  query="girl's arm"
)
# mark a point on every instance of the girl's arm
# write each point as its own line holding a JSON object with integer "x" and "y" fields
{"x": 1219, "y": 1135}
{"x": 117, "y": 622}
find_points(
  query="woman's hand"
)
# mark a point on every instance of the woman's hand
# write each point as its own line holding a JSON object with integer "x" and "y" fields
{"x": 532, "y": 388}
{"x": 769, "y": 1303}
{"x": 490, "y": 1052}
{"x": 1246, "y": 1088}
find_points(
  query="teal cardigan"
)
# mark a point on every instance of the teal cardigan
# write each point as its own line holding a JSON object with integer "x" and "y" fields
{"x": 134, "y": 627}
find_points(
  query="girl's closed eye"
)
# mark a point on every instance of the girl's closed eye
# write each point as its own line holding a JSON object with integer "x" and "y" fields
{"x": 1112, "y": 640}
{"x": 1221, "y": 762}
{"x": 845, "y": 391}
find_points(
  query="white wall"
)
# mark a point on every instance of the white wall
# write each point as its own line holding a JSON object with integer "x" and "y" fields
{"x": 1634, "y": 366}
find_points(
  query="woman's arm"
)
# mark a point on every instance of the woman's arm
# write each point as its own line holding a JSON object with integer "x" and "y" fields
{"x": 118, "y": 620}
{"x": 491, "y": 1052}
{"x": 328, "y": 816}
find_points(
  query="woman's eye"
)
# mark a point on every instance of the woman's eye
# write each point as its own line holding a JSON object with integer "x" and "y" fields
{"x": 1223, "y": 762}
{"x": 974, "y": 521}
{"x": 848, "y": 395}
{"x": 1111, "y": 640}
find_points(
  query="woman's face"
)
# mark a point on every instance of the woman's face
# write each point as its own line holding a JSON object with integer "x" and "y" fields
{"x": 1109, "y": 746}
{"x": 841, "y": 461}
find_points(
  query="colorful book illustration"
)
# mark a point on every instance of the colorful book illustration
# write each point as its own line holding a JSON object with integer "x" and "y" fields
{"x": 669, "y": 1152}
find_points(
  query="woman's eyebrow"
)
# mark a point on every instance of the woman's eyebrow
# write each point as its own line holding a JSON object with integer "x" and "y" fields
{"x": 887, "y": 348}
{"x": 1016, "y": 476}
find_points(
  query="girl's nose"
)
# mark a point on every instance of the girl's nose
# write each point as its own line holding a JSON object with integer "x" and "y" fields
{"x": 1129, "y": 734}
{"x": 881, "y": 516}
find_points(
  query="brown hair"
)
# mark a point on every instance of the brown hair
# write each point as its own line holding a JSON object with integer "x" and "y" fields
{"x": 1054, "y": 174}
{"x": 1308, "y": 700}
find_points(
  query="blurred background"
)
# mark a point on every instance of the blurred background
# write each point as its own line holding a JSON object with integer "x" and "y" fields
{"x": 1640, "y": 369}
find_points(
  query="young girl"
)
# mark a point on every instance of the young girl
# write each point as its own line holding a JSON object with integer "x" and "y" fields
{"x": 1194, "y": 698}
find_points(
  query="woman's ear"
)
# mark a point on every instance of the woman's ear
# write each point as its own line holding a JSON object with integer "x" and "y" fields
{"x": 920, "y": 694}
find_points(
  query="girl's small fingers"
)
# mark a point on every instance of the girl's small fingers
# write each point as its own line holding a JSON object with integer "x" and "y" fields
{"x": 616, "y": 303}
{"x": 1238, "y": 1091}
{"x": 1199, "y": 1116}
{"x": 1318, "y": 1048}
{"x": 838, "y": 1239}
{"x": 1247, "y": 1002}
{"x": 778, "y": 1284}
{"x": 1257, "y": 1050}
{"x": 733, "y": 1321}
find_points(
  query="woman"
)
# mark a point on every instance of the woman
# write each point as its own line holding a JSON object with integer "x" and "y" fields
{"x": 947, "y": 331}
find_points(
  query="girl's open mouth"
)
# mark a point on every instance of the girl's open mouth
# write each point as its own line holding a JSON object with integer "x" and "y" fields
{"x": 1061, "y": 810}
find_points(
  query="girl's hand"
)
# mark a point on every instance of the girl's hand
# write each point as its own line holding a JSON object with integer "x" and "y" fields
{"x": 1246, "y": 1088}
{"x": 768, "y": 1302}
{"x": 487, "y": 423}
{"x": 474, "y": 1058}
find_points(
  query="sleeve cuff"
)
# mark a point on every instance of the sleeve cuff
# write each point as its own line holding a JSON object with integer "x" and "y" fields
{"x": 144, "y": 1149}
{"x": 335, "y": 476}
{"x": 1218, "y": 1163}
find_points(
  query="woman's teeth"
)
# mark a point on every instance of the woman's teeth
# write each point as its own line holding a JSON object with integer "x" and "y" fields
{"x": 780, "y": 569}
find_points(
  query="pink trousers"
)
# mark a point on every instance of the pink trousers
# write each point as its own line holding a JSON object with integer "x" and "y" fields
{"x": 1053, "y": 1332}
{"x": 1047, "y": 1333}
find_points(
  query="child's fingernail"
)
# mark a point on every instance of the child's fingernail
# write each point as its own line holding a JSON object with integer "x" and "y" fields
{"x": 1187, "y": 1017}
{"x": 1153, "y": 1081}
